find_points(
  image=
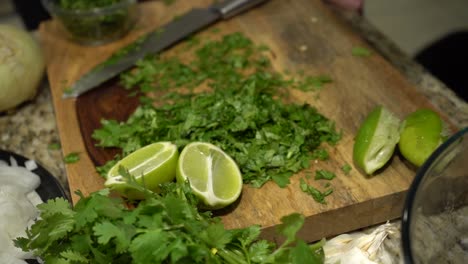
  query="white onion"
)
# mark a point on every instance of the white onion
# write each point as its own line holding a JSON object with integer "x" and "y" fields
{"x": 21, "y": 66}
{"x": 19, "y": 177}
{"x": 18, "y": 200}
{"x": 30, "y": 165}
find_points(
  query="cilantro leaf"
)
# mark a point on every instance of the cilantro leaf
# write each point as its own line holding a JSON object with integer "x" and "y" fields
{"x": 55, "y": 206}
{"x": 122, "y": 234}
{"x": 346, "y": 169}
{"x": 72, "y": 157}
{"x": 314, "y": 192}
{"x": 72, "y": 256}
{"x": 290, "y": 225}
{"x": 361, "y": 52}
{"x": 302, "y": 253}
{"x": 324, "y": 175}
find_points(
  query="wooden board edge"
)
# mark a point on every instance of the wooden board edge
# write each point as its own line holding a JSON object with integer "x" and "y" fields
{"x": 345, "y": 219}
{"x": 65, "y": 109}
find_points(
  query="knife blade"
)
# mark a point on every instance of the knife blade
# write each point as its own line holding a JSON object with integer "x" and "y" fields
{"x": 158, "y": 40}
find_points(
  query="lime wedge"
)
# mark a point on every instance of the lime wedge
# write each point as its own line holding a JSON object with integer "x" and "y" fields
{"x": 376, "y": 140}
{"x": 213, "y": 175}
{"x": 150, "y": 165}
{"x": 421, "y": 134}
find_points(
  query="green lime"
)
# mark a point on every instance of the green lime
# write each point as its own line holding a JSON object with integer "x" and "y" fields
{"x": 213, "y": 175}
{"x": 376, "y": 140}
{"x": 421, "y": 134}
{"x": 150, "y": 165}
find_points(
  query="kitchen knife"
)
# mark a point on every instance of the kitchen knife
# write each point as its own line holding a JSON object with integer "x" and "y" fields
{"x": 158, "y": 40}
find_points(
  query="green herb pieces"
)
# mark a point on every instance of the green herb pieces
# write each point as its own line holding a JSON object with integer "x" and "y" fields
{"x": 314, "y": 192}
{"x": 121, "y": 53}
{"x": 242, "y": 109}
{"x": 324, "y": 175}
{"x": 320, "y": 154}
{"x": 72, "y": 157}
{"x": 96, "y": 21}
{"x": 361, "y": 52}
{"x": 161, "y": 229}
{"x": 346, "y": 169}
{"x": 312, "y": 83}
{"x": 86, "y": 4}
{"x": 169, "y": 2}
{"x": 54, "y": 146}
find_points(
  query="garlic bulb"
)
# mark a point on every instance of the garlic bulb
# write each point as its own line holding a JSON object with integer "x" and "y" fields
{"x": 21, "y": 66}
{"x": 362, "y": 248}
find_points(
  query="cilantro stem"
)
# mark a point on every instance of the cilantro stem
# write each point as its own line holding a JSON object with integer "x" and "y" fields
{"x": 230, "y": 257}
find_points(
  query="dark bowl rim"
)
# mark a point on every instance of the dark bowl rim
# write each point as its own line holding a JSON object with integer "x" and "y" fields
{"x": 410, "y": 196}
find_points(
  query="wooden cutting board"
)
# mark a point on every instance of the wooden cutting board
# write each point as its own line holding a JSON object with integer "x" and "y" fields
{"x": 303, "y": 35}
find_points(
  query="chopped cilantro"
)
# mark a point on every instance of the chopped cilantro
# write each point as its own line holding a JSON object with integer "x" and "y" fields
{"x": 346, "y": 168}
{"x": 314, "y": 192}
{"x": 324, "y": 175}
{"x": 244, "y": 111}
{"x": 320, "y": 154}
{"x": 361, "y": 52}
{"x": 311, "y": 83}
{"x": 54, "y": 146}
{"x": 72, "y": 157}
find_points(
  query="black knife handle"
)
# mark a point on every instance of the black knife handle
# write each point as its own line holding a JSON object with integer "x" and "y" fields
{"x": 229, "y": 8}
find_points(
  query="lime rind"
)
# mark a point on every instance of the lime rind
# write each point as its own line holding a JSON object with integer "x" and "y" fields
{"x": 383, "y": 143}
{"x": 376, "y": 140}
{"x": 212, "y": 170}
{"x": 149, "y": 166}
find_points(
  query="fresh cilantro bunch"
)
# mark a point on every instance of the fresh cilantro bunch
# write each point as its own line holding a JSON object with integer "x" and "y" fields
{"x": 245, "y": 110}
{"x": 165, "y": 228}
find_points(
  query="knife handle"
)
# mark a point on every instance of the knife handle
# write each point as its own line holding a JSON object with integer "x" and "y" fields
{"x": 230, "y": 8}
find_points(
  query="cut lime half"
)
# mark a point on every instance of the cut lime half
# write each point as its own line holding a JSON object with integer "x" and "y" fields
{"x": 376, "y": 140}
{"x": 150, "y": 166}
{"x": 213, "y": 175}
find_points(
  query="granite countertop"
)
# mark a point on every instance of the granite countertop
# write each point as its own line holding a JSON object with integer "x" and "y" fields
{"x": 31, "y": 128}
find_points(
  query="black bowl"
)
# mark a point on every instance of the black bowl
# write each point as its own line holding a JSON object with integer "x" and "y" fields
{"x": 49, "y": 188}
{"x": 433, "y": 223}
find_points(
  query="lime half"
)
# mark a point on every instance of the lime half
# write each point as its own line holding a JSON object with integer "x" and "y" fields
{"x": 213, "y": 175}
{"x": 376, "y": 140}
{"x": 150, "y": 166}
{"x": 422, "y": 132}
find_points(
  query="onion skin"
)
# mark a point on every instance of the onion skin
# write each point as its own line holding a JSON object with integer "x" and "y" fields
{"x": 21, "y": 66}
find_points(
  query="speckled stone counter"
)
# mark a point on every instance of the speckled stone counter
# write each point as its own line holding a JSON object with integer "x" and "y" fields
{"x": 31, "y": 128}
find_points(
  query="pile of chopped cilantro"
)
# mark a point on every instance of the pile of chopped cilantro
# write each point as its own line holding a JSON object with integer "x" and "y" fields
{"x": 164, "y": 228}
{"x": 243, "y": 107}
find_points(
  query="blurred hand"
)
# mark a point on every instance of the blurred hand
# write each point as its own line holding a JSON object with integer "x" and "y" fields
{"x": 353, "y": 5}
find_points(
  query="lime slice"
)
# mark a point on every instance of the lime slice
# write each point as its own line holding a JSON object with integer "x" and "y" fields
{"x": 421, "y": 134}
{"x": 151, "y": 165}
{"x": 376, "y": 140}
{"x": 213, "y": 175}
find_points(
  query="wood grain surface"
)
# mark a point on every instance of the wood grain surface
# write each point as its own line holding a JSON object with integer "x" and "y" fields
{"x": 303, "y": 35}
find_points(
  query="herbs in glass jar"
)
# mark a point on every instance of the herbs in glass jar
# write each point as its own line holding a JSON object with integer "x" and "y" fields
{"x": 94, "y": 21}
